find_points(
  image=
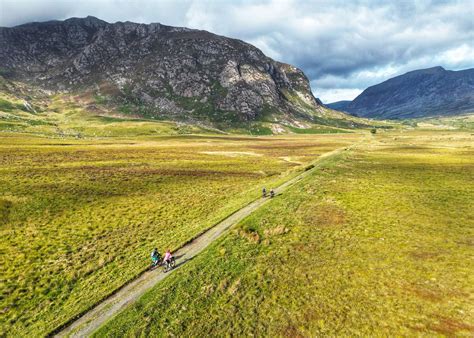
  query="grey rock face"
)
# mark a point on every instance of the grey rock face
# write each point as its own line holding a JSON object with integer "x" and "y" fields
{"x": 427, "y": 92}
{"x": 168, "y": 70}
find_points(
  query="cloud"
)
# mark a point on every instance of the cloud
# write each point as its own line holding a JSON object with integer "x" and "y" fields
{"x": 338, "y": 94}
{"x": 343, "y": 46}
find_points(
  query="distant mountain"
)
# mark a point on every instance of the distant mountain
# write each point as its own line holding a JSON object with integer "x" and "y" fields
{"x": 420, "y": 93}
{"x": 158, "y": 71}
{"x": 338, "y": 105}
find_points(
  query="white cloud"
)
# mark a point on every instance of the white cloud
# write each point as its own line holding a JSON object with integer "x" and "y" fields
{"x": 458, "y": 56}
{"x": 333, "y": 95}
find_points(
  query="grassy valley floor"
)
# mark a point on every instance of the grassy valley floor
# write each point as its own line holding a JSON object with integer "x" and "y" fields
{"x": 80, "y": 217}
{"x": 378, "y": 242}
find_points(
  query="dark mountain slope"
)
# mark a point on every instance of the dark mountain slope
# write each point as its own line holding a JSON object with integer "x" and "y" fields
{"x": 427, "y": 92}
{"x": 339, "y": 105}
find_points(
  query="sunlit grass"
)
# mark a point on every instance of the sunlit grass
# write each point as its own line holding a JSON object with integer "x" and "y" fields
{"x": 378, "y": 242}
{"x": 79, "y": 217}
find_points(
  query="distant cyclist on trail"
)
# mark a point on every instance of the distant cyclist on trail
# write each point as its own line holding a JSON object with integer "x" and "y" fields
{"x": 272, "y": 192}
{"x": 264, "y": 192}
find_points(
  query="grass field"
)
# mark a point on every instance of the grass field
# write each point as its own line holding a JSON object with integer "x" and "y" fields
{"x": 79, "y": 217}
{"x": 378, "y": 242}
{"x": 462, "y": 122}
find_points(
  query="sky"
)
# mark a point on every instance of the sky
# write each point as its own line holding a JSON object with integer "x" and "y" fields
{"x": 342, "y": 46}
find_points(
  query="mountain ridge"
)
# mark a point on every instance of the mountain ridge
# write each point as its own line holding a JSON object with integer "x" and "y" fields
{"x": 160, "y": 71}
{"x": 338, "y": 105}
{"x": 426, "y": 92}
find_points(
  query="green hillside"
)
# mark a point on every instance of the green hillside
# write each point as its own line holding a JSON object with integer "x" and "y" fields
{"x": 27, "y": 109}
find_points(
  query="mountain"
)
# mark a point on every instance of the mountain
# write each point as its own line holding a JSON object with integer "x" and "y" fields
{"x": 420, "y": 93}
{"x": 158, "y": 71}
{"x": 339, "y": 105}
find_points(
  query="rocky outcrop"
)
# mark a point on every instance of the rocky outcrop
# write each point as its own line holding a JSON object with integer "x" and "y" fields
{"x": 164, "y": 70}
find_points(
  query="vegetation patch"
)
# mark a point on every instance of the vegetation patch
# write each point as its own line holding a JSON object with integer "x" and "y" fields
{"x": 5, "y": 207}
{"x": 8, "y": 106}
{"x": 316, "y": 130}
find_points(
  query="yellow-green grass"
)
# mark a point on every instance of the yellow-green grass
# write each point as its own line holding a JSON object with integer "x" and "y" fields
{"x": 463, "y": 122}
{"x": 63, "y": 117}
{"x": 378, "y": 242}
{"x": 80, "y": 217}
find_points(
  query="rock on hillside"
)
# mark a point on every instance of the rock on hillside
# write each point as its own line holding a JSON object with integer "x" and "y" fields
{"x": 156, "y": 70}
{"x": 426, "y": 92}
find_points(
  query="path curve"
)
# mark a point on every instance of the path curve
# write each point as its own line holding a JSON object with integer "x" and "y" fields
{"x": 97, "y": 316}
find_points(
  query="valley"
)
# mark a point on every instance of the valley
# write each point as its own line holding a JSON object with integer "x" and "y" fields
{"x": 120, "y": 137}
{"x": 79, "y": 217}
{"x": 378, "y": 240}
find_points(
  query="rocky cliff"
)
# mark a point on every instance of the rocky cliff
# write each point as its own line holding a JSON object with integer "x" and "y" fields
{"x": 156, "y": 70}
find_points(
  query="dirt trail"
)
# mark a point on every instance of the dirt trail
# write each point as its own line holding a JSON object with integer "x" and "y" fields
{"x": 97, "y": 316}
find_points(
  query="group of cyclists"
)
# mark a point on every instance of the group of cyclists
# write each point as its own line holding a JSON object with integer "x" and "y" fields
{"x": 168, "y": 260}
{"x": 264, "y": 192}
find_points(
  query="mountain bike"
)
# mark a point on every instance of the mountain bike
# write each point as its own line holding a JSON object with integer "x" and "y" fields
{"x": 169, "y": 265}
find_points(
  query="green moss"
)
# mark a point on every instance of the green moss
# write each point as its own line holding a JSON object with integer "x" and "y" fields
{"x": 8, "y": 106}
{"x": 100, "y": 99}
{"x": 268, "y": 113}
{"x": 259, "y": 129}
{"x": 218, "y": 91}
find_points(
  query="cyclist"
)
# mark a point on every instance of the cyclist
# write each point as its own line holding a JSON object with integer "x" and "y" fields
{"x": 272, "y": 193}
{"x": 264, "y": 192}
{"x": 168, "y": 256}
{"x": 155, "y": 256}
